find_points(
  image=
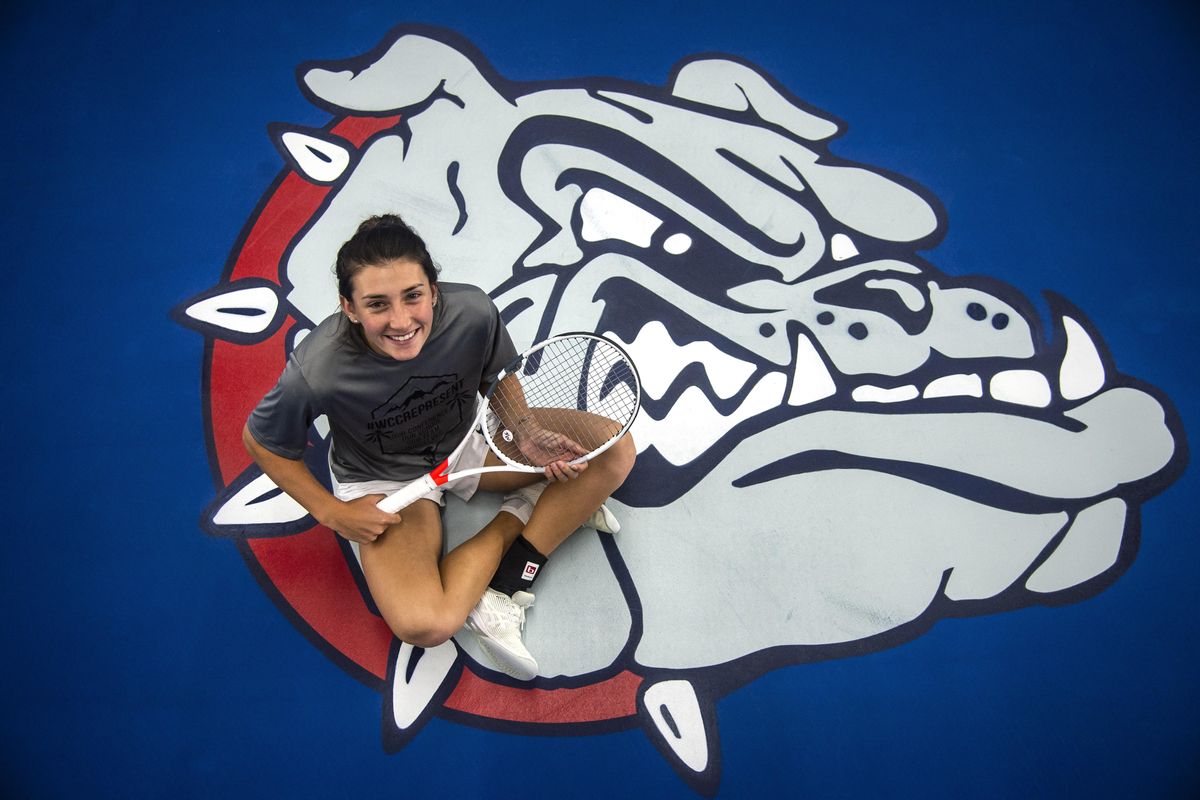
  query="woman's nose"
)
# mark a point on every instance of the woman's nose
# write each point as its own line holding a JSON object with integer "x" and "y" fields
{"x": 398, "y": 319}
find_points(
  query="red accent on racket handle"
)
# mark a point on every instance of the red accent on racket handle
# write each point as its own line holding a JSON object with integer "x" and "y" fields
{"x": 439, "y": 474}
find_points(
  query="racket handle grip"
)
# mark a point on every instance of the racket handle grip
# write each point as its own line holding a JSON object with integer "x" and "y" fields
{"x": 407, "y": 496}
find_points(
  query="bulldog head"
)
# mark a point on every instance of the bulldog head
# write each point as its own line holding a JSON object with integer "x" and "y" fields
{"x": 839, "y": 442}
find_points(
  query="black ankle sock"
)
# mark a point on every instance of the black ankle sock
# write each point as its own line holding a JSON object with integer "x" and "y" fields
{"x": 517, "y": 570}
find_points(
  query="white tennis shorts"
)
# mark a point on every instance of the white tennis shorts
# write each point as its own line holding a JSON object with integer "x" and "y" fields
{"x": 472, "y": 455}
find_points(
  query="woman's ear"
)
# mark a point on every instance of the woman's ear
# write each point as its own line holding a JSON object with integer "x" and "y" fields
{"x": 348, "y": 309}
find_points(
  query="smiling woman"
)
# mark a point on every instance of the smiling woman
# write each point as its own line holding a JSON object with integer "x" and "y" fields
{"x": 396, "y": 373}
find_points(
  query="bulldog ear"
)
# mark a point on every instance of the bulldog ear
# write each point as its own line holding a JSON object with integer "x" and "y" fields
{"x": 734, "y": 86}
{"x": 407, "y": 73}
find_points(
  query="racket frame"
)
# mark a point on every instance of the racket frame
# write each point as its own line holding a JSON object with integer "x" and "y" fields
{"x": 440, "y": 475}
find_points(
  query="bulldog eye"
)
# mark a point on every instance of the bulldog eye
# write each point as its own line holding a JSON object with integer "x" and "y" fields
{"x": 677, "y": 244}
{"x": 608, "y": 216}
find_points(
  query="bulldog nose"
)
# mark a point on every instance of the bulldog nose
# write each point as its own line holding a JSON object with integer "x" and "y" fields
{"x": 980, "y": 313}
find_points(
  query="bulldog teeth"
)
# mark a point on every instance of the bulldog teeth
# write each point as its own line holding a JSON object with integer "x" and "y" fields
{"x": 877, "y": 394}
{"x": 693, "y": 425}
{"x": 811, "y": 380}
{"x": 660, "y": 361}
{"x": 954, "y": 386}
{"x": 1024, "y": 387}
{"x": 1082, "y": 372}
{"x": 1019, "y": 386}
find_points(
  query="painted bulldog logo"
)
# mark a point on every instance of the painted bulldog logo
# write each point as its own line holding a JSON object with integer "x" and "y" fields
{"x": 841, "y": 443}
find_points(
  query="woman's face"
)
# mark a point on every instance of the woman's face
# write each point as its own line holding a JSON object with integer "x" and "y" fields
{"x": 394, "y": 304}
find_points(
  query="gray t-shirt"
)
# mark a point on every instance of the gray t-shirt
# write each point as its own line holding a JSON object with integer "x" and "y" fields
{"x": 388, "y": 419}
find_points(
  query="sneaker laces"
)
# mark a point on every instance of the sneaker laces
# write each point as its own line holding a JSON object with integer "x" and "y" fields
{"x": 514, "y": 613}
{"x": 510, "y": 610}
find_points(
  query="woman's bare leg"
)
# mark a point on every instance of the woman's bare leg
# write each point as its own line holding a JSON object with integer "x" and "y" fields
{"x": 566, "y": 505}
{"x": 560, "y": 511}
{"x": 423, "y": 597}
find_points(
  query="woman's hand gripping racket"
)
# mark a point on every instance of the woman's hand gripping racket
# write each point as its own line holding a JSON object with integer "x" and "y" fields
{"x": 568, "y": 399}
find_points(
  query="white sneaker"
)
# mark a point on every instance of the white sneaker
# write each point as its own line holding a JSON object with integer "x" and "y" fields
{"x": 497, "y": 621}
{"x": 603, "y": 521}
{"x": 520, "y": 503}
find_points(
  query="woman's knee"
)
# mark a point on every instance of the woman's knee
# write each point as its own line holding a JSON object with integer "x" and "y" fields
{"x": 619, "y": 459}
{"x": 429, "y": 628}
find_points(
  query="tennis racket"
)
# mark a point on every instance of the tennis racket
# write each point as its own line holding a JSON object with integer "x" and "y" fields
{"x": 568, "y": 398}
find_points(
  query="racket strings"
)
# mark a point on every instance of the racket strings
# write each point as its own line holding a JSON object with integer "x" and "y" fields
{"x": 567, "y": 400}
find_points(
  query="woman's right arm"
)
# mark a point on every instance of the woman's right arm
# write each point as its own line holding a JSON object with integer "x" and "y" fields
{"x": 357, "y": 520}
